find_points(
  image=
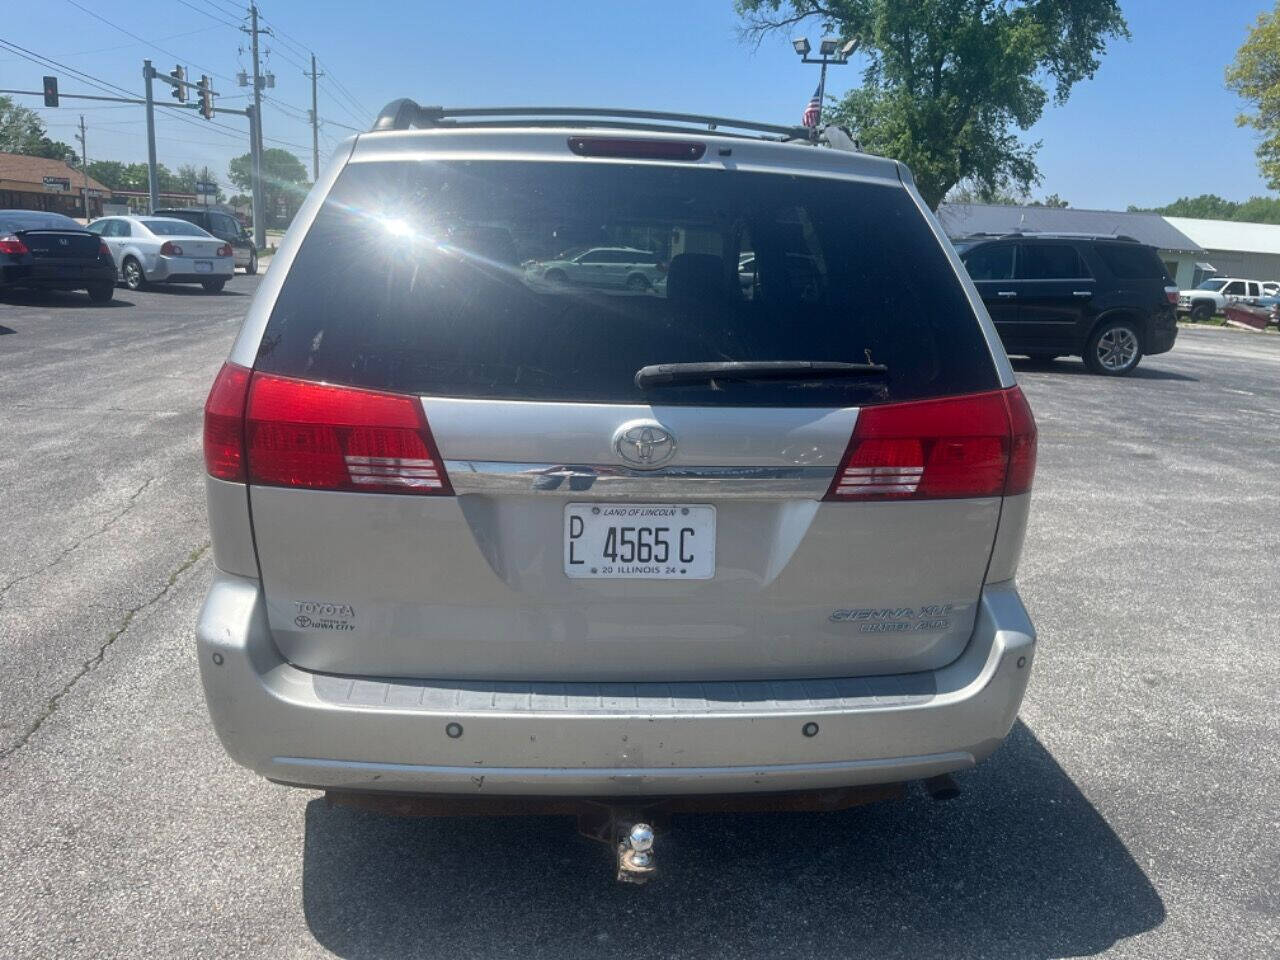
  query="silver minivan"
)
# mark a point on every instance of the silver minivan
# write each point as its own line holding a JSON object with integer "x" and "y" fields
{"x": 477, "y": 535}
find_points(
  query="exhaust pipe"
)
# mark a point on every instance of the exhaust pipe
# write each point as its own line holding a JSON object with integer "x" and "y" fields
{"x": 942, "y": 787}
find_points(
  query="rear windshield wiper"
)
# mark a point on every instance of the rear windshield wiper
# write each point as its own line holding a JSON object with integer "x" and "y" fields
{"x": 663, "y": 374}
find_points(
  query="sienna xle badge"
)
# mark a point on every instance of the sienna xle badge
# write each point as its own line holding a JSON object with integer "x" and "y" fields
{"x": 502, "y": 535}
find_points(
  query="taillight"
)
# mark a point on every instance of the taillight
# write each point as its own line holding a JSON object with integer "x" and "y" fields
{"x": 11, "y": 244}
{"x": 1171, "y": 294}
{"x": 103, "y": 249}
{"x": 224, "y": 424}
{"x": 170, "y": 249}
{"x": 324, "y": 437}
{"x": 981, "y": 445}
{"x": 1022, "y": 453}
{"x": 637, "y": 149}
{"x": 224, "y": 250}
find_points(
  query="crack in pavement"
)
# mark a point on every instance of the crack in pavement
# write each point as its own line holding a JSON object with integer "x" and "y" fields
{"x": 129, "y": 505}
{"x": 96, "y": 660}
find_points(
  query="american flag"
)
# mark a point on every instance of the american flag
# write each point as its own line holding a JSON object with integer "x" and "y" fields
{"x": 814, "y": 110}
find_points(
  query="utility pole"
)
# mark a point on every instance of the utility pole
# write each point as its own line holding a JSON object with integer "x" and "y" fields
{"x": 153, "y": 188}
{"x": 84, "y": 168}
{"x": 315, "y": 121}
{"x": 255, "y": 132}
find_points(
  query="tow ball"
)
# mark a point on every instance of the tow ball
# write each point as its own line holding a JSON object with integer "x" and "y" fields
{"x": 635, "y": 855}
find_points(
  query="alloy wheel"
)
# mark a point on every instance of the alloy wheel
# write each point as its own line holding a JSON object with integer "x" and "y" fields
{"x": 1117, "y": 349}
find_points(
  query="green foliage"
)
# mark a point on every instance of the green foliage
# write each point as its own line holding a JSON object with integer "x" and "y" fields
{"x": 1255, "y": 77}
{"x": 133, "y": 176}
{"x": 1052, "y": 200}
{"x": 1209, "y": 206}
{"x": 22, "y": 131}
{"x": 948, "y": 82}
{"x": 284, "y": 183}
{"x": 974, "y": 192}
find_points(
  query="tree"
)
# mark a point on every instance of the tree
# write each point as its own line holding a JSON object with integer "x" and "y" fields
{"x": 284, "y": 183}
{"x": 948, "y": 82}
{"x": 1255, "y": 78}
{"x": 1209, "y": 206}
{"x": 189, "y": 174}
{"x": 1052, "y": 200}
{"x": 22, "y": 131}
{"x": 972, "y": 192}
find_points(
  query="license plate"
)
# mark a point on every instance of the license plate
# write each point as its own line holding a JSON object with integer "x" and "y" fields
{"x": 639, "y": 541}
{"x": 204, "y": 266}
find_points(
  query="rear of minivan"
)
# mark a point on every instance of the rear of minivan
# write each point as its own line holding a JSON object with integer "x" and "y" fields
{"x": 477, "y": 532}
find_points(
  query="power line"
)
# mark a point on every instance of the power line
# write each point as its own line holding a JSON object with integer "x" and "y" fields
{"x": 43, "y": 61}
{"x": 130, "y": 33}
{"x": 346, "y": 93}
{"x": 230, "y": 8}
{"x": 206, "y": 13}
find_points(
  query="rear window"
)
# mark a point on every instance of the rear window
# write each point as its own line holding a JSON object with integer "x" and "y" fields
{"x": 1132, "y": 261}
{"x": 468, "y": 279}
{"x": 14, "y": 220}
{"x": 173, "y": 228}
{"x": 189, "y": 216}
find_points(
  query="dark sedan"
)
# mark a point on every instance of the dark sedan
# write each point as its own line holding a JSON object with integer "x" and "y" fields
{"x": 47, "y": 251}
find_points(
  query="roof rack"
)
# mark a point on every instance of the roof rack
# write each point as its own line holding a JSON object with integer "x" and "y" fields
{"x": 1085, "y": 235}
{"x": 405, "y": 114}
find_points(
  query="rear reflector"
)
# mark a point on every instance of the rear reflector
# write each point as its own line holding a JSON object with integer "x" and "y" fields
{"x": 637, "y": 149}
{"x": 982, "y": 445}
{"x": 324, "y": 437}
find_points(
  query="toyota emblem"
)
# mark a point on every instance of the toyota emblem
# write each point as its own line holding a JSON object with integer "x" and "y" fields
{"x": 644, "y": 443}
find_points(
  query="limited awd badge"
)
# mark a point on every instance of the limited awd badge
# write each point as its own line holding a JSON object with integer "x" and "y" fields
{"x": 644, "y": 443}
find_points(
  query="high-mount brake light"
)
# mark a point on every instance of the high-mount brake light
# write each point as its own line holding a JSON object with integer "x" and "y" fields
{"x": 11, "y": 244}
{"x": 325, "y": 437}
{"x": 636, "y": 149}
{"x": 980, "y": 445}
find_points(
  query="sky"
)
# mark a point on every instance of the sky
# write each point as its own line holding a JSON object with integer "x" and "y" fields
{"x": 1155, "y": 123}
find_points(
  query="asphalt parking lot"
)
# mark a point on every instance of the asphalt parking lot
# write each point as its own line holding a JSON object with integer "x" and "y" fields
{"x": 1132, "y": 813}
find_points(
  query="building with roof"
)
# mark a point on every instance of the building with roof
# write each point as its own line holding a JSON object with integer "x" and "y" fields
{"x": 1235, "y": 249}
{"x": 1183, "y": 257}
{"x": 39, "y": 183}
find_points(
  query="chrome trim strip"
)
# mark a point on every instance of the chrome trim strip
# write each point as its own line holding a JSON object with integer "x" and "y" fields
{"x": 573, "y": 480}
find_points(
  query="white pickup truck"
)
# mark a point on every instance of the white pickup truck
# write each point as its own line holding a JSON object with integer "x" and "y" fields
{"x": 1213, "y": 295}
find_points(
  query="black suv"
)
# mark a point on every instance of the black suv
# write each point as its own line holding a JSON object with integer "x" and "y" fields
{"x": 1106, "y": 299}
{"x": 223, "y": 226}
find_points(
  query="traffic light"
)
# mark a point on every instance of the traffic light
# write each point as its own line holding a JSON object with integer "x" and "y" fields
{"x": 206, "y": 97}
{"x": 50, "y": 91}
{"x": 179, "y": 91}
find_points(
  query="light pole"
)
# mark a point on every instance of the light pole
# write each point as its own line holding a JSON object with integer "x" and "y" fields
{"x": 831, "y": 52}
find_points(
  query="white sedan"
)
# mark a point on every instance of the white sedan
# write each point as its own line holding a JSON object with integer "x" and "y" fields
{"x": 165, "y": 250}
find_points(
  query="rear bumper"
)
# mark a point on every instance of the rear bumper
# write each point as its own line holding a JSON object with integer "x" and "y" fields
{"x": 47, "y": 278}
{"x": 592, "y": 739}
{"x": 1163, "y": 333}
{"x": 183, "y": 269}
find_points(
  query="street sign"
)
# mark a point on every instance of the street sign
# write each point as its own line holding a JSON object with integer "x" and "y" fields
{"x": 206, "y": 186}
{"x": 57, "y": 184}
